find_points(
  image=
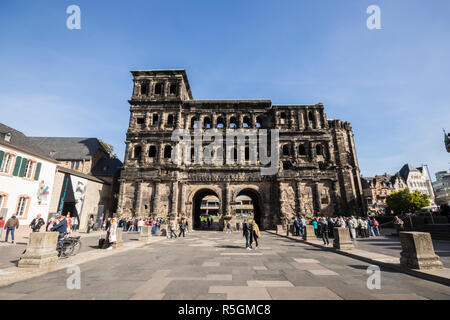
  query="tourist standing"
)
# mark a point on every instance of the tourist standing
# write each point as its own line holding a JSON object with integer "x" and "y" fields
{"x": 74, "y": 224}
{"x": 69, "y": 222}
{"x": 37, "y": 223}
{"x": 302, "y": 225}
{"x": 228, "y": 227}
{"x": 314, "y": 224}
{"x": 330, "y": 227}
{"x": 399, "y": 224}
{"x": 255, "y": 234}
{"x": 140, "y": 224}
{"x": 247, "y": 233}
{"x": 324, "y": 231}
{"x": 90, "y": 224}
{"x": 352, "y": 227}
{"x": 11, "y": 225}
{"x": 60, "y": 227}
{"x": 182, "y": 228}
{"x": 297, "y": 227}
{"x": 112, "y": 230}
{"x": 363, "y": 226}
{"x": 172, "y": 228}
{"x": 2, "y": 225}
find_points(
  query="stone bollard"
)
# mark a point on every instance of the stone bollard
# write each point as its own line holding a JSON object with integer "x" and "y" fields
{"x": 418, "y": 251}
{"x": 146, "y": 233}
{"x": 119, "y": 240}
{"x": 342, "y": 240}
{"x": 41, "y": 250}
{"x": 309, "y": 233}
{"x": 280, "y": 229}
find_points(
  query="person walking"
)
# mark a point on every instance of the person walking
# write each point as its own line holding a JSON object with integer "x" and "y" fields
{"x": 182, "y": 228}
{"x": 255, "y": 234}
{"x": 37, "y": 223}
{"x": 2, "y": 226}
{"x": 172, "y": 228}
{"x": 247, "y": 233}
{"x": 74, "y": 224}
{"x": 228, "y": 227}
{"x": 314, "y": 224}
{"x": 297, "y": 227}
{"x": 352, "y": 228}
{"x": 324, "y": 230}
{"x": 11, "y": 225}
{"x": 90, "y": 224}
{"x": 376, "y": 227}
{"x": 330, "y": 227}
{"x": 237, "y": 226}
{"x": 112, "y": 233}
{"x": 302, "y": 224}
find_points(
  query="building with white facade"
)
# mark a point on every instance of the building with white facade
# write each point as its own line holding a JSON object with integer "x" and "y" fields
{"x": 418, "y": 179}
{"x": 26, "y": 177}
{"x": 442, "y": 187}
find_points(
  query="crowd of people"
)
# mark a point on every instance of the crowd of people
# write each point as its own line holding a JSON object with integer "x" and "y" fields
{"x": 359, "y": 227}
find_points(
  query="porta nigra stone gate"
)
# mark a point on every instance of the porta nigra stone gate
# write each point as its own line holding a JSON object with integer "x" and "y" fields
{"x": 317, "y": 173}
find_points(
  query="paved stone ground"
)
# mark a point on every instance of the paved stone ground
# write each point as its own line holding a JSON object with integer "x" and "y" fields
{"x": 215, "y": 265}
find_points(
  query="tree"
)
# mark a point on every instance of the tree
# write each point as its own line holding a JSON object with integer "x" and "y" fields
{"x": 404, "y": 201}
{"x": 108, "y": 147}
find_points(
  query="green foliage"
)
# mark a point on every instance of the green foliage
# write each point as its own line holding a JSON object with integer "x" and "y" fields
{"x": 404, "y": 201}
{"x": 109, "y": 148}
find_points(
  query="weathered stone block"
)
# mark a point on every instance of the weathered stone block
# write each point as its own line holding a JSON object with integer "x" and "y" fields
{"x": 309, "y": 233}
{"x": 418, "y": 251}
{"x": 280, "y": 229}
{"x": 41, "y": 250}
{"x": 119, "y": 240}
{"x": 342, "y": 240}
{"x": 146, "y": 233}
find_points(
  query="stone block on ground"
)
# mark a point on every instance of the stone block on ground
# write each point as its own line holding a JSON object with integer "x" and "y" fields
{"x": 309, "y": 233}
{"x": 280, "y": 229}
{"x": 41, "y": 250}
{"x": 146, "y": 233}
{"x": 342, "y": 239}
{"x": 119, "y": 239}
{"x": 418, "y": 251}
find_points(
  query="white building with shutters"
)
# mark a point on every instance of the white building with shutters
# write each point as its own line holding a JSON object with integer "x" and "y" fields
{"x": 27, "y": 175}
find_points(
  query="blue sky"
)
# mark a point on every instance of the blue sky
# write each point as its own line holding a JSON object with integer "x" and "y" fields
{"x": 391, "y": 84}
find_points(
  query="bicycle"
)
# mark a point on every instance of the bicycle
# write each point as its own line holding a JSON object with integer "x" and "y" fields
{"x": 68, "y": 246}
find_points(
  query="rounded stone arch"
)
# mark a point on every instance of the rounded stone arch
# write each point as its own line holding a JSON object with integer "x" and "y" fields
{"x": 257, "y": 197}
{"x": 195, "y": 197}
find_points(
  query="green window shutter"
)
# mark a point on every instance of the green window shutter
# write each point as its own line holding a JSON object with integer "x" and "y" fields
{"x": 22, "y": 167}
{"x": 2, "y": 154}
{"x": 38, "y": 171}
{"x": 17, "y": 166}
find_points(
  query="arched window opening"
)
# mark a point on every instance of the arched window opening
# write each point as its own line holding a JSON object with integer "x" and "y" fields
{"x": 247, "y": 123}
{"x": 285, "y": 150}
{"x": 247, "y": 153}
{"x": 173, "y": 89}
{"x": 233, "y": 122}
{"x": 193, "y": 124}
{"x": 220, "y": 122}
{"x": 319, "y": 150}
{"x": 286, "y": 165}
{"x": 207, "y": 122}
{"x": 137, "y": 152}
{"x": 282, "y": 117}
{"x": 167, "y": 152}
{"x": 155, "y": 119}
{"x": 259, "y": 122}
{"x": 170, "y": 119}
{"x": 302, "y": 150}
{"x": 192, "y": 154}
{"x": 152, "y": 152}
{"x": 158, "y": 89}
{"x": 144, "y": 89}
{"x": 310, "y": 116}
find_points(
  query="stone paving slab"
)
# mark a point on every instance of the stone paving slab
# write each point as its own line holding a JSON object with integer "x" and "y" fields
{"x": 303, "y": 293}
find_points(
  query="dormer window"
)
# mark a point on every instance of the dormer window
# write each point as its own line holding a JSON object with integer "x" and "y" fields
{"x": 8, "y": 137}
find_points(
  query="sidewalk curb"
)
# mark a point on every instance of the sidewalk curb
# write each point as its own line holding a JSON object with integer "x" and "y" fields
{"x": 430, "y": 275}
{"x": 12, "y": 275}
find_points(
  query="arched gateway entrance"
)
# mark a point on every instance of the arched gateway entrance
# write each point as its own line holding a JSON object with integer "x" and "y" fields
{"x": 207, "y": 205}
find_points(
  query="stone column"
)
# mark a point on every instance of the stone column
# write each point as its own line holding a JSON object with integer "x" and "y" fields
{"x": 418, "y": 251}
{"x": 138, "y": 201}
{"x": 174, "y": 202}
{"x": 41, "y": 250}
{"x": 155, "y": 200}
{"x": 342, "y": 240}
{"x": 226, "y": 200}
{"x": 120, "y": 201}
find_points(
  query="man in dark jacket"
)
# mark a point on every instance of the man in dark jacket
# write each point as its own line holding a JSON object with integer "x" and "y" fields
{"x": 37, "y": 223}
{"x": 60, "y": 227}
{"x": 10, "y": 226}
{"x": 323, "y": 226}
{"x": 247, "y": 233}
